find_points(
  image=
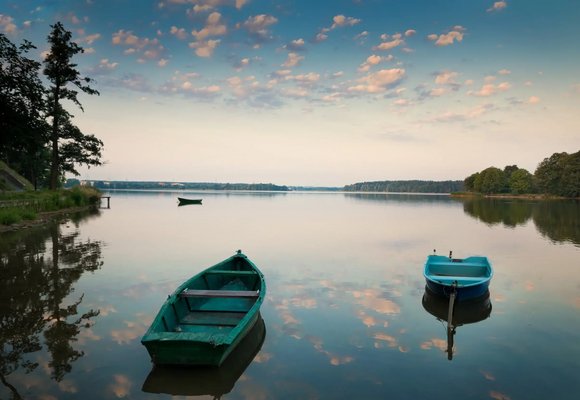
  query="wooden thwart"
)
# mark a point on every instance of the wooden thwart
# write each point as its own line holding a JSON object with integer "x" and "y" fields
{"x": 220, "y": 293}
{"x": 217, "y": 272}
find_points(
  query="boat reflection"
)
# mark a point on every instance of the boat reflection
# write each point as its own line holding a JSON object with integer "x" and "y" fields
{"x": 463, "y": 313}
{"x": 213, "y": 381}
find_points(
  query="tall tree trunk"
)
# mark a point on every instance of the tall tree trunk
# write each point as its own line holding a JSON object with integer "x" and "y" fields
{"x": 55, "y": 161}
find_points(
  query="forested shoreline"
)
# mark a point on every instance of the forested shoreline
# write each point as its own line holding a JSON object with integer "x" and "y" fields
{"x": 557, "y": 175}
{"x": 156, "y": 185}
{"x": 411, "y": 186}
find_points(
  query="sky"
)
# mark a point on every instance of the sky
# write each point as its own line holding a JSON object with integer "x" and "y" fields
{"x": 317, "y": 92}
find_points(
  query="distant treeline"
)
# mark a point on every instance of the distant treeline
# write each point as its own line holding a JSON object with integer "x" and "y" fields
{"x": 414, "y": 186}
{"x": 104, "y": 185}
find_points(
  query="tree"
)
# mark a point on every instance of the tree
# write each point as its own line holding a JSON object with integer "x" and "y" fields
{"x": 469, "y": 182}
{"x": 550, "y": 174}
{"x": 490, "y": 180}
{"x": 69, "y": 145}
{"x": 521, "y": 181}
{"x": 22, "y": 122}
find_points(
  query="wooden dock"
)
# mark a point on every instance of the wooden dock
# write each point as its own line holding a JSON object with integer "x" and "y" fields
{"x": 108, "y": 202}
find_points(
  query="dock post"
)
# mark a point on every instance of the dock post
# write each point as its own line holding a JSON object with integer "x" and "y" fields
{"x": 450, "y": 327}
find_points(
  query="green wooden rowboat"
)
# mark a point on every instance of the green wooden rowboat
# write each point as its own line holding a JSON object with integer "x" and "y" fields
{"x": 208, "y": 315}
{"x": 183, "y": 201}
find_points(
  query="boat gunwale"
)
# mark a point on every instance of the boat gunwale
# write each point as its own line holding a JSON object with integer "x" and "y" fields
{"x": 467, "y": 262}
{"x": 231, "y": 336}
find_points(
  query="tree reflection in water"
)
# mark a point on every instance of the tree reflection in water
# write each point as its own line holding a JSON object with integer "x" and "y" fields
{"x": 38, "y": 270}
{"x": 556, "y": 220}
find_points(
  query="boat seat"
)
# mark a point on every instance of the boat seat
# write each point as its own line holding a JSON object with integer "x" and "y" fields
{"x": 220, "y": 293}
{"x": 458, "y": 278}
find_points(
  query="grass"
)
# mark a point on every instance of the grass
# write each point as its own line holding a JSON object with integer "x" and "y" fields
{"x": 18, "y": 206}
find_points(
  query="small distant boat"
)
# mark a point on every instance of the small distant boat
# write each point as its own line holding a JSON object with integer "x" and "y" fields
{"x": 207, "y": 316}
{"x": 467, "y": 277}
{"x": 184, "y": 201}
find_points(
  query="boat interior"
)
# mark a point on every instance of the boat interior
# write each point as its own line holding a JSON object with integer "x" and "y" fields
{"x": 459, "y": 269}
{"x": 213, "y": 304}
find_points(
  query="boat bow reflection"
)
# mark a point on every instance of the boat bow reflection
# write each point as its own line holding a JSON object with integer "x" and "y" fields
{"x": 197, "y": 381}
{"x": 463, "y": 313}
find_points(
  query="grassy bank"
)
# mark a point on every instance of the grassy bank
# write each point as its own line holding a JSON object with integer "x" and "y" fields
{"x": 18, "y": 207}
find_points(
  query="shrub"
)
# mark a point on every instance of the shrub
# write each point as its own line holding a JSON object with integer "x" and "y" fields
{"x": 9, "y": 216}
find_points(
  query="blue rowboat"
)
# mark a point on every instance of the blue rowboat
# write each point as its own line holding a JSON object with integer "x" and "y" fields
{"x": 467, "y": 277}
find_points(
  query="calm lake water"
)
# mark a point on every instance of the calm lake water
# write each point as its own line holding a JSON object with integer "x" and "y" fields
{"x": 344, "y": 317}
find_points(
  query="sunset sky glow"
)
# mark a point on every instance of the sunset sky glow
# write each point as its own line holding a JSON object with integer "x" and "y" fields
{"x": 318, "y": 92}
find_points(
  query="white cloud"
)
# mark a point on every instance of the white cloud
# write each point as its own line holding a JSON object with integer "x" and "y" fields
{"x": 379, "y": 81}
{"x": 402, "y": 102}
{"x": 292, "y": 60}
{"x": 7, "y": 24}
{"x": 436, "y": 92}
{"x": 179, "y": 33}
{"x": 149, "y": 49}
{"x": 467, "y": 115}
{"x": 105, "y": 64}
{"x": 204, "y": 48}
{"x": 307, "y": 79}
{"x": 90, "y": 39}
{"x": 490, "y": 89}
{"x": 497, "y": 6}
{"x": 320, "y": 37}
{"x": 340, "y": 21}
{"x": 446, "y": 78}
{"x": 207, "y": 5}
{"x": 296, "y": 45}
{"x": 373, "y": 60}
{"x": 534, "y": 100}
{"x": 213, "y": 27}
{"x": 258, "y": 25}
{"x": 445, "y": 39}
{"x": 410, "y": 32}
{"x": 389, "y": 45}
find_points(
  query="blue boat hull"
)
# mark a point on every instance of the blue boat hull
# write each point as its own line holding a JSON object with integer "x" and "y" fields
{"x": 463, "y": 293}
{"x": 469, "y": 278}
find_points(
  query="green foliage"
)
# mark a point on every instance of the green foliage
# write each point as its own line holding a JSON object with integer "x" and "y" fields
{"x": 17, "y": 206}
{"x": 521, "y": 181}
{"x": 22, "y": 120}
{"x": 469, "y": 182}
{"x": 69, "y": 145}
{"x": 9, "y": 216}
{"x": 490, "y": 180}
{"x": 559, "y": 174}
{"x": 414, "y": 186}
{"x": 41, "y": 152}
